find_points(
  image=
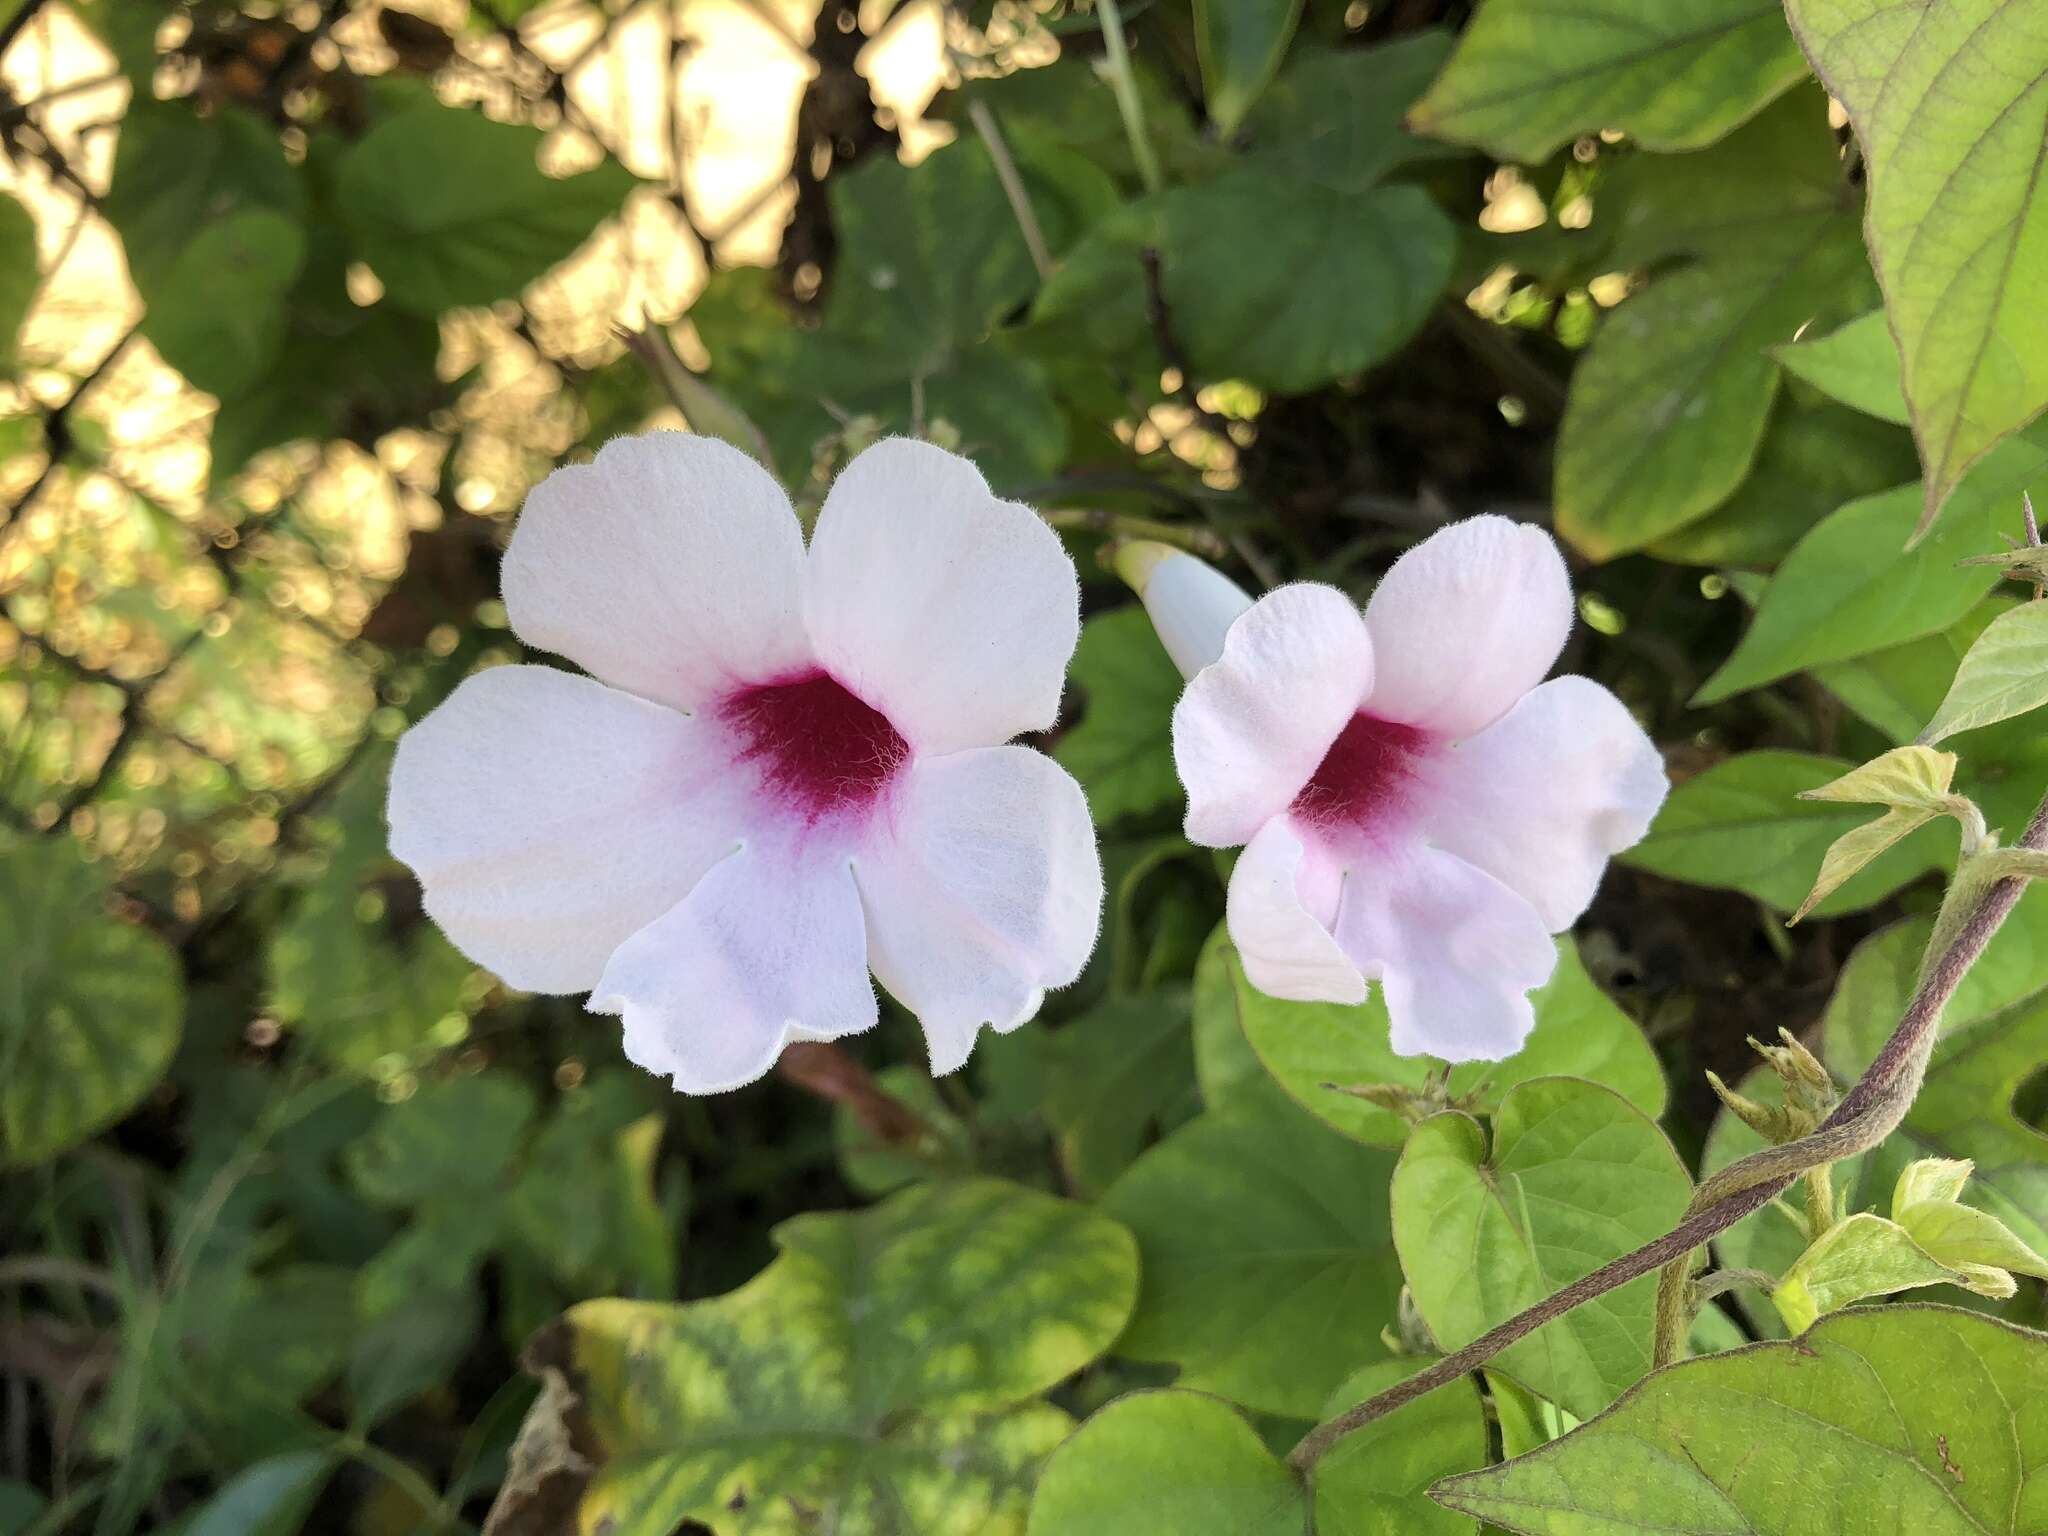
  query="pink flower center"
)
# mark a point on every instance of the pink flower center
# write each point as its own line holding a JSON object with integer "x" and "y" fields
{"x": 1366, "y": 775}
{"x": 819, "y": 748}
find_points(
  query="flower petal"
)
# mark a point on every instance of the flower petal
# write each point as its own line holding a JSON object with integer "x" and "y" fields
{"x": 549, "y": 818}
{"x": 1283, "y": 896}
{"x": 1467, "y": 622}
{"x": 670, "y": 566}
{"x": 951, "y": 612}
{"x": 765, "y": 950}
{"x": 1457, "y": 952}
{"x": 1544, "y": 796}
{"x": 984, "y": 890}
{"x": 1249, "y": 730}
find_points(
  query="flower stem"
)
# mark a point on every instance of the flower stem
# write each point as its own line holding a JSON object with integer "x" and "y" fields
{"x": 1125, "y": 84}
{"x": 1868, "y": 1113}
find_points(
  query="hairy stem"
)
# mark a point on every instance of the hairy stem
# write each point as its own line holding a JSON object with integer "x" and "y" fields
{"x": 1869, "y": 1112}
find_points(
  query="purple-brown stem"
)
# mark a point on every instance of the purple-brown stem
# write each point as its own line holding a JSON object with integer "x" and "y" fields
{"x": 1921, "y": 1017}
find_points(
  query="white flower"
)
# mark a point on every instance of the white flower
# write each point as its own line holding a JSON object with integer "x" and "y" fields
{"x": 785, "y": 770}
{"x": 1414, "y": 802}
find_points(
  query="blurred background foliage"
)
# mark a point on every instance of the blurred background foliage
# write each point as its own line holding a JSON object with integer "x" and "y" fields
{"x": 299, "y": 297}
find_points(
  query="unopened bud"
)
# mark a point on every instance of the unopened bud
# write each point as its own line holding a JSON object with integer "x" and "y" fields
{"x": 1192, "y": 604}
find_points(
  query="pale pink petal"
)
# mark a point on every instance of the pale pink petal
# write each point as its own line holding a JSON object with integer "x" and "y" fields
{"x": 670, "y": 566}
{"x": 768, "y": 948}
{"x": 1457, "y": 952}
{"x": 1467, "y": 622}
{"x": 953, "y": 613}
{"x": 982, "y": 889}
{"x": 550, "y": 817}
{"x": 1249, "y": 731}
{"x": 1283, "y": 896}
{"x": 1545, "y": 795}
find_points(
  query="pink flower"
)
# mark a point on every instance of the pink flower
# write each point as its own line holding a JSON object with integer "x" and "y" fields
{"x": 1415, "y": 803}
{"x": 785, "y": 770}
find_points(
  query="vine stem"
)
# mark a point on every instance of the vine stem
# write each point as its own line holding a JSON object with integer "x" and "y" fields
{"x": 1875, "y": 1103}
{"x": 1124, "y": 83}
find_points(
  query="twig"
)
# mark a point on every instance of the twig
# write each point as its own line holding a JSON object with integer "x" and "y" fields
{"x": 1201, "y": 541}
{"x": 827, "y": 1072}
{"x": 1013, "y": 186}
{"x": 1870, "y": 1101}
{"x": 50, "y": 1269}
{"x": 1124, "y": 84}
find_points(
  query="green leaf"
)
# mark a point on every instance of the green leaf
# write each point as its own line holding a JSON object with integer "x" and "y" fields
{"x": 1949, "y": 108}
{"x": 1173, "y": 1463}
{"x": 2004, "y": 674}
{"x": 1991, "y": 1046}
{"x": 1855, "y": 1259}
{"x": 586, "y": 1201}
{"x": 1856, "y": 363}
{"x": 1268, "y": 1269}
{"x": 21, "y": 1507}
{"x": 1869, "y": 996}
{"x": 451, "y": 209}
{"x": 874, "y": 1168}
{"x": 1899, "y": 688}
{"x": 1669, "y": 406}
{"x": 448, "y": 1138}
{"x": 930, "y": 261}
{"x": 1576, "y": 1176}
{"x": 1846, "y": 590}
{"x": 1240, "y": 44}
{"x": 1280, "y": 312}
{"x": 1741, "y": 826}
{"x": 1178, "y": 1463}
{"x": 1532, "y": 75}
{"x": 408, "y": 1350}
{"x": 221, "y": 318}
{"x": 210, "y": 215}
{"x": 1122, "y": 749}
{"x": 1117, "y": 1071}
{"x": 19, "y": 277}
{"x": 1914, "y": 1416}
{"x": 1335, "y": 116}
{"x": 92, "y": 1008}
{"x": 1308, "y": 1046}
{"x": 879, "y": 1369}
{"x": 270, "y": 1498}
{"x": 1814, "y": 456}
{"x": 1227, "y": 1070}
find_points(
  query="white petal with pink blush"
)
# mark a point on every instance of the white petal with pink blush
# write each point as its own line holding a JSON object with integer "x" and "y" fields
{"x": 1418, "y": 806}
{"x": 786, "y": 771}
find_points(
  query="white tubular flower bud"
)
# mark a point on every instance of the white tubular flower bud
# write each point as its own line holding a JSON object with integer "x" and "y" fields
{"x": 1192, "y": 604}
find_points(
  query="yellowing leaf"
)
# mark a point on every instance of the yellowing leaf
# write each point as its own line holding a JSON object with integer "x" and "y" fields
{"x": 1931, "y": 1178}
{"x": 889, "y": 1361}
{"x": 1960, "y": 1235}
{"x": 1913, "y": 781}
{"x": 1860, "y": 1257}
{"x": 1906, "y": 778}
